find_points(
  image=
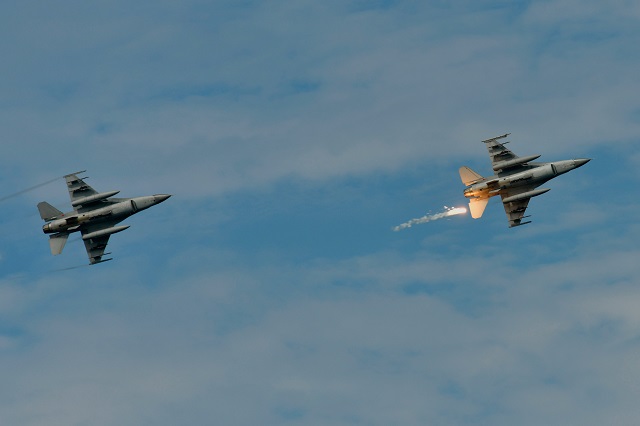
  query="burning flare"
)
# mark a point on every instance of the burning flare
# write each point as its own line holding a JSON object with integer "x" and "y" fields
{"x": 448, "y": 211}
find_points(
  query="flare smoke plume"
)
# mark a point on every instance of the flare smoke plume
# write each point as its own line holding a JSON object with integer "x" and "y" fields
{"x": 448, "y": 211}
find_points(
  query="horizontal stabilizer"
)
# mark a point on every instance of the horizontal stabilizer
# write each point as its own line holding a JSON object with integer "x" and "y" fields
{"x": 468, "y": 176}
{"x": 477, "y": 206}
{"x": 48, "y": 212}
{"x": 57, "y": 242}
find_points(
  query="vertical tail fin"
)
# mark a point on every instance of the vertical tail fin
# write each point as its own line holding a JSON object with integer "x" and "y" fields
{"x": 477, "y": 206}
{"x": 468, "y": 176}
{"x": 57, "y": 242}
{"x": 48, "y": 212}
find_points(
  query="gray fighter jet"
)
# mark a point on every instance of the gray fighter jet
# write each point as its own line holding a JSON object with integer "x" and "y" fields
{"x": 95, "y": 215}
{"x": 515, "y": 181}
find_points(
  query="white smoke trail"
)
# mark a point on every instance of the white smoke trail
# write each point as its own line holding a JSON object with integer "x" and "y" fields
{"x": 24, "y": 191}
{"x": 448, "y": 211}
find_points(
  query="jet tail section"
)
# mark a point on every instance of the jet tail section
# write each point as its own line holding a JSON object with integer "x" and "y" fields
{"x": 57, "y": 242}
{"x": 477, "y": 206}
{"x": 48, "y": 212}
{"x": 468, "y": 176}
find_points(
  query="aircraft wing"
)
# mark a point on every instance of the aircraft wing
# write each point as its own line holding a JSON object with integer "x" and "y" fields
{"x": 77, "y": 187}
{"x": 503, "y": 161}
{"x": 79, "y": 190}
{"x": 95, "y": 249}
{"x": 498, "y": 153}
{"x": 95, "y": 246}
{"x": 515, "y": 210}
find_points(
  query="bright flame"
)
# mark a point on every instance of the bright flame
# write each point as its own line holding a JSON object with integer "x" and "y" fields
{"x": 456, "y": 211}
{"x": 448, "y": 211}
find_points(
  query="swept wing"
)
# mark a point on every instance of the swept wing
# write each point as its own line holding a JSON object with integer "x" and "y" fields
{"x": 96, "y": 246}
{"x": 83, "y": 197}
{"x": 515, "y": 211}
{"x": 503, "y": 161}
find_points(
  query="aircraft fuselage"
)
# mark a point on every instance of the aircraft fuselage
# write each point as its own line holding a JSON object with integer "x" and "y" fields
{"x": 536, "y": 175}
{"x": 72, "y": 222}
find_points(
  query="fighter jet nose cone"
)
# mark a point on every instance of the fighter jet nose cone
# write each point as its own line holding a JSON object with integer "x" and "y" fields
{"x": 161, "y": 197}
{"x": 581, "y": 162}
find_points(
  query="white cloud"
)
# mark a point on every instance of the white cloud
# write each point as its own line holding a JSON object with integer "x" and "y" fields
{"x": 482, "y": 338}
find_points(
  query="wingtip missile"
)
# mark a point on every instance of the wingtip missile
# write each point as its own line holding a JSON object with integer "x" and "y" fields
{"x": 520, "y": 224}
{"x": 75, "y": 173}
{"x": 95, "y": 262}
{"x": 496, "y": 138}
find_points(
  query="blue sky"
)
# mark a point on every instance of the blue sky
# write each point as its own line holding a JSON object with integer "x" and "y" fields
{"x": 293, "y": 135}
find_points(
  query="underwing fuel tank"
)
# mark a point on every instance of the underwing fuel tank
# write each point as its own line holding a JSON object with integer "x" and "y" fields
{"x": 525, "y": 195}
{"x": 104, "y": 232}
{"x": 516, "y": 161}
{"x": 93, "y": 198}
